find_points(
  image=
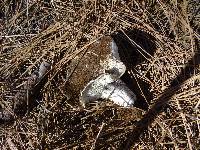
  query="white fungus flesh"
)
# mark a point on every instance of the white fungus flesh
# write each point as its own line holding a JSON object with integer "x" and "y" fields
{"x": 105, "y": 87}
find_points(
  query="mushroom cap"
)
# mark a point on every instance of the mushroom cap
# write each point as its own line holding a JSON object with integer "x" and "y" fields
{"x": 89, "y": 64}
{"x": 97, "y": 75}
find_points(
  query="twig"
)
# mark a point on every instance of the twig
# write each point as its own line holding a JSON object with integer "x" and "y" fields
{"x": 11, "y": 144}
{"x": 17, "y": 35}
{"x": 101, "y": 128}
{"x": 185, "y": 125}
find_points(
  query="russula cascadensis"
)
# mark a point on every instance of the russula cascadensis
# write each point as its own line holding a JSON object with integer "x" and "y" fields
{"x": 97, "y": 75}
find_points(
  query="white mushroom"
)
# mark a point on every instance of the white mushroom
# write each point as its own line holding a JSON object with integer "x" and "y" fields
{"x": 44, "y": 67}
{"x": 114, "y": 50}
{"x": 108, "y": 85}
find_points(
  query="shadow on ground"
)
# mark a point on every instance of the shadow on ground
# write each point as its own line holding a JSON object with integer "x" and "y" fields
{"x": 132, "y": 55}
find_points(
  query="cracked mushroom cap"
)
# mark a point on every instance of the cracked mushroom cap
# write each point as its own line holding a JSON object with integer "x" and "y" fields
{"x": 97, "y": 75}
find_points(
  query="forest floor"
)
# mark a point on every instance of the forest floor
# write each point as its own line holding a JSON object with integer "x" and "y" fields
{"x": 159, "y": 43}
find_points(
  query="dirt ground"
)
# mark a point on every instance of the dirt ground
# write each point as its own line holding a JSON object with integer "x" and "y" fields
{"x": 158, "y": 42}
